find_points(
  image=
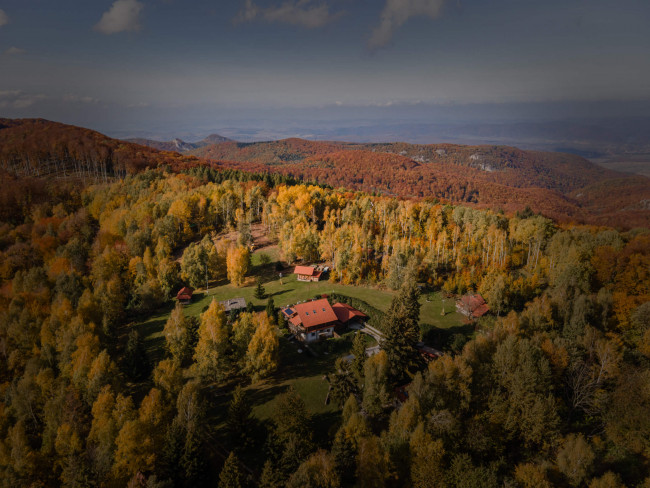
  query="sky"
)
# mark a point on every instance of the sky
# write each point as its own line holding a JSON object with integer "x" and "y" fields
{"x": 192, "y": 65}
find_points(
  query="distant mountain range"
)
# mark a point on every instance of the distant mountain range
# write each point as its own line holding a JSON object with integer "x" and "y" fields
{"x": 179, "y": 145}
{"x": 562, "y": 186}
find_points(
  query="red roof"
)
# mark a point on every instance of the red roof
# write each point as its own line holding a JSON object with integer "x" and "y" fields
{"x": 185, "y": 293}
{"x": 316, "y": 313}
{"x": 295, "y": 320}
{"x": 305, "y": 270}
{"x": 345, "y": 312}
{"x": 474, "y": 304}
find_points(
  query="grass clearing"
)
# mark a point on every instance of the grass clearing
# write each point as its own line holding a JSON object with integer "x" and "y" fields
{"x": 301, "y": 370}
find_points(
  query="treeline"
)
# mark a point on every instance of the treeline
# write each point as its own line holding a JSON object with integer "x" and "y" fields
{"x": 562, "y": 186}
{"x": 553, "y": 390}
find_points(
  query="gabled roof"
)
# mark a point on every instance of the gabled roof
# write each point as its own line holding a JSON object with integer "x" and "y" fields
{"x": 474, "y": 305}
{"x": 345, "y": 312}
{"x": 305, "y": 270}
{"x": 315, "y": 313}
{"x": 185, "y": 293}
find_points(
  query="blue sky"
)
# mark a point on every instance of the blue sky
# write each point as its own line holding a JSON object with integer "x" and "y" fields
{"x": 137, "y": 63}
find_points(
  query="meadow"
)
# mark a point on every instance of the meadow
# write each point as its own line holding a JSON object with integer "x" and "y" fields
{"x": 297, "y": 366}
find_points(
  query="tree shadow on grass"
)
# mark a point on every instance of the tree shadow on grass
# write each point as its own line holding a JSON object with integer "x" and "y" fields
{"x": 266, "y": 272}
{"x": 276, "y": 293}
{"x": 264, "y": 394}
{"x": 151, "y": 327}
{"x": 441, "y": 338}
{"x": 155, "y": 349}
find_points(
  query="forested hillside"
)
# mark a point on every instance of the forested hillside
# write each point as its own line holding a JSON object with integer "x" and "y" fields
{"x": 40, "y": 148}
{"x": 552, "y": 388}
{"x": 562, "y": 186}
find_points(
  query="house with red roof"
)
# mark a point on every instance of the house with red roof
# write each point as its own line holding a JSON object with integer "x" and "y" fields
{"x": 311, "y": 321}
{"x": 317, "y": 319}
{"x": 307, "y": 273}
{"x": 472, "y": 306}
{"x": 184, "y": 295}
{"x": 347, "y": 314}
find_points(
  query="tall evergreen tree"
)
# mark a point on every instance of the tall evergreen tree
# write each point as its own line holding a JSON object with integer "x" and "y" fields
{"x": 169, "y": 466}
{"x": 343, "y": 382}
{"x": 270, "y": 309}
{"x": 359, "y": 353}
{"x": 193, "y": 462}
{"x": 239, "y": 420}
{"x": 402, "y": 332}
{"x": 270, "y": 477}
{"x": 135, "y": 357}
{"x": 231, "y": 475}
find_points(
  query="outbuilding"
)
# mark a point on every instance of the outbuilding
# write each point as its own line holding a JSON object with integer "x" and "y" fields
{"x": 472, "y": 306}
{"x": 185, "y": 295}
{"x": 307, "y": 273}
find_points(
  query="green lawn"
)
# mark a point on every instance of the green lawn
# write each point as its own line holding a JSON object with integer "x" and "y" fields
{"x": 301, "y": 370}
{"x": 291, "y": 291}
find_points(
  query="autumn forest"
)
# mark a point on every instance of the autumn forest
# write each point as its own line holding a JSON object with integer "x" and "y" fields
{"x": 550, "y": 388}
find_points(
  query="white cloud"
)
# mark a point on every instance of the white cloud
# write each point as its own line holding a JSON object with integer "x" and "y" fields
{"x": 4, "y": 18}
{"x": 305, "y": 13}
{"x": 396, "y": 13}
{"x": 124, "y": 15}
{"x": 15, "y": 51}
{"x": 18, "y": 99}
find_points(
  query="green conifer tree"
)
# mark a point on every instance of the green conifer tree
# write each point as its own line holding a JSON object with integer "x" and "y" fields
{"x": 239, "y": 420}
{"x": 270, "y": 309}
{"x": 135, "y": 357}
{"x": 231, "y": 475}
{"x": 359, "y": 353}
{"x": 260, "y": 292}
{"x": 402, "y": 332}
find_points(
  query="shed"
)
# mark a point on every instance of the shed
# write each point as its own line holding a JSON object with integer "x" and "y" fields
{"x": 307, "y": 273}
{"x": 184, "y": 295}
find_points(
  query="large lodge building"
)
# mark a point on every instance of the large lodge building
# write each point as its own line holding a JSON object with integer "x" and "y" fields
{"x": 317, "y": 319}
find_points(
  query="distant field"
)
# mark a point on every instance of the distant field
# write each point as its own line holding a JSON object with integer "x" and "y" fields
{"x": 628, "y": 163}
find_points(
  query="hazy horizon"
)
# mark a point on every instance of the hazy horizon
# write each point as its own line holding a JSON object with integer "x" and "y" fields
{"x": 154, "y": 66}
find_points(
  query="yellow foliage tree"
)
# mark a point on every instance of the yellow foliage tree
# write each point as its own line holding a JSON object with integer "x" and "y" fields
{"x": 237, "y": 261}
{"x": 211, "y": 354}
{"x": 427, "y": 458}
{"x": 262, "y": 353}
{"x": 134, "y": 450}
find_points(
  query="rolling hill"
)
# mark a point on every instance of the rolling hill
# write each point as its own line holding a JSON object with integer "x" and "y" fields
{"x": 180, "y": 145}
{"x": 40, "y": 148}
{"x": 565, "y": 187}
